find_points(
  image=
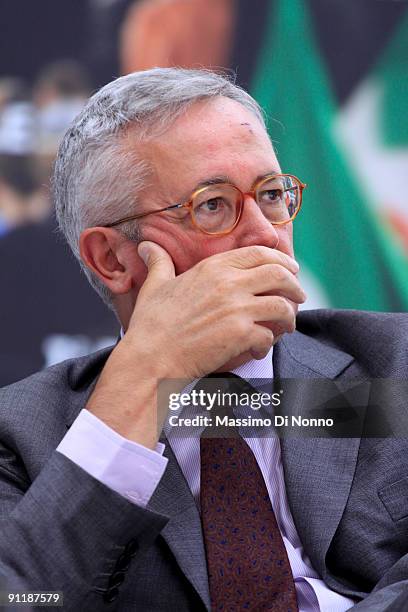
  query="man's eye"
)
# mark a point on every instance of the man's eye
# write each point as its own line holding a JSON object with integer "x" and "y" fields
{"x": 212, "y": 205}
{"x": 271, "y": 195}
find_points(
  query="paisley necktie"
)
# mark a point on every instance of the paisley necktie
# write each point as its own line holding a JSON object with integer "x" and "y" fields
{"x": 248, "y": 566}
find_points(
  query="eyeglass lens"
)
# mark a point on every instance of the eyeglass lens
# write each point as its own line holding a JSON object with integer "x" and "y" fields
{"x": 216, "y": 207}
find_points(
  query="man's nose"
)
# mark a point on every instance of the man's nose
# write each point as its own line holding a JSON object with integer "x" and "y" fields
{"x": 254, "y": 227}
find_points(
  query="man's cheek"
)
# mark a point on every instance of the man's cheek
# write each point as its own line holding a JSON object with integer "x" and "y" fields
{"x": 196, "y": 248}
{"x": 173, "y": 247}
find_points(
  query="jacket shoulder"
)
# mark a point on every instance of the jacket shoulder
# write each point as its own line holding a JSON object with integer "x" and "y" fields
{"x": 378, "y": 340}
{"x": 71, "y": 373}
{"x": 47, "y": 400}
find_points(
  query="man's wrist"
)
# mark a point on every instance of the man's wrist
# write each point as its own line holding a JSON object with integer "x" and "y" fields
{"x": 126, "y": 398}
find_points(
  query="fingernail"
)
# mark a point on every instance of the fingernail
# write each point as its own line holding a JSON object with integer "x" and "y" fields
{"x": 143, "y": 251}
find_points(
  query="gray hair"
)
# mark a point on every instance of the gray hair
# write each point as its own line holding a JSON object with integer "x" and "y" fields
{"x": 96, "y": 177}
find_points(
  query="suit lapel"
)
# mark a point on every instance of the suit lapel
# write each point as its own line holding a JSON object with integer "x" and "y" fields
{"x": 318, "y": 471}
{"x": 183, "y": 532}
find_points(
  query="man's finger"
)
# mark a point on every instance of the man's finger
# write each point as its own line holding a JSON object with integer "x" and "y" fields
{"x": 272, "y": 310}
{"x": 262, "y": 339}
{"x": 274, "y": 279}
{"x": 159, "y": 264}
{"x": 253, "y": 256}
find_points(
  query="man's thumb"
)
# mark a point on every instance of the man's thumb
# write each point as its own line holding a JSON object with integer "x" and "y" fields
{"x": 157, "y": 260}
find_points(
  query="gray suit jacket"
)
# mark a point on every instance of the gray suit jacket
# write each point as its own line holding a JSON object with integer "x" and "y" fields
{"x": 61, "y": 529}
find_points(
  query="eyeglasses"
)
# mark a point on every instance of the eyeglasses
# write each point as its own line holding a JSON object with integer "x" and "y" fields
{"x": 216, "y": 209}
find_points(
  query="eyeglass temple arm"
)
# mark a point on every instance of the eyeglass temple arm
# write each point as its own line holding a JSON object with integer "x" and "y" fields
{"x": 140, "y": 215}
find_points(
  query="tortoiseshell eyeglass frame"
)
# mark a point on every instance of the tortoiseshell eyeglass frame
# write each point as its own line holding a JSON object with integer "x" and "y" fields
{"x": 239, "y": 204}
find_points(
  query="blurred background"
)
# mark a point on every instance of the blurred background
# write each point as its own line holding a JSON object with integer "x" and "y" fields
{"x": 332, "y": 76}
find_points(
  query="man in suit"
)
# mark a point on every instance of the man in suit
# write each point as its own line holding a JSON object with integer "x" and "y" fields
{"x": 169, "y": 192}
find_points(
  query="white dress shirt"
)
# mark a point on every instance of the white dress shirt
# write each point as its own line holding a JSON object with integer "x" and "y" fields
{"x": 134, "y": 472}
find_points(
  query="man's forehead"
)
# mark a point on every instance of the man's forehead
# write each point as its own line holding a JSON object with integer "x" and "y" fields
{"x": 211, "y": 138}
{"x": 211, "y": 116}
{"x": 208, "y": 126}
{"x": 206, "y": 118}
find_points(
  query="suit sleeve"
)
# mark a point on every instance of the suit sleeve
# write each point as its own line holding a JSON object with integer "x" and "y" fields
{"x": 130, "y": 469}
{"x": 67, "y": 531}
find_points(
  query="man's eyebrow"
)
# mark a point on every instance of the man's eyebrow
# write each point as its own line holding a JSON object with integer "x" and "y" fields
{"x": 214, "y": 180}
{"x": 260, "y": 177}
{"x": 217, "y": 180}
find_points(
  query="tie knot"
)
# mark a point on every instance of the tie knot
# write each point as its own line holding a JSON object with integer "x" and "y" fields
{"x": 222, "y": 393}
{"x": 224, "y": 382}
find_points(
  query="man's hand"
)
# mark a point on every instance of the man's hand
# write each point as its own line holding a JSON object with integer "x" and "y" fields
{"x": 184, "y": 327}
{"x": 200, "y": 320}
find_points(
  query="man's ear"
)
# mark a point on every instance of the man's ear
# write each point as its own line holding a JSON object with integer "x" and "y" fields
{"x": 112, "y": 257}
